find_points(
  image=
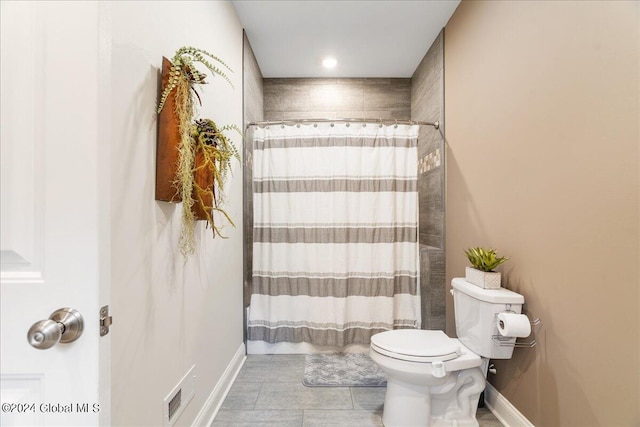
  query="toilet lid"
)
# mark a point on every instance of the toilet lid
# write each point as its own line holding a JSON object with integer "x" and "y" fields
{"x": 416, "y": 344}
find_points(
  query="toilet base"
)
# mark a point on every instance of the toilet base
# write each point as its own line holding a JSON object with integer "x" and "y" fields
{"x": 451, "y": 404}
{"x": 406, "y": 405}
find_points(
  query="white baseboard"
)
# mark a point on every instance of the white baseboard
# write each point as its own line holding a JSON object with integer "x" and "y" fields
{"x": 504, "y": 411}
{"x": 212, "y": 405}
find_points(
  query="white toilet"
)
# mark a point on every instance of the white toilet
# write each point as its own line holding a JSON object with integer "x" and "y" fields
{"x": 434, "y": 380}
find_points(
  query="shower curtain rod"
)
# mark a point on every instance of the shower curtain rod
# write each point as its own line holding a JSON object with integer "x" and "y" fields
{"x": 376, "y": 121}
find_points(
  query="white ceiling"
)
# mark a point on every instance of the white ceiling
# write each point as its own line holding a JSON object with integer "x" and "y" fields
{"x": 368, "y": 38}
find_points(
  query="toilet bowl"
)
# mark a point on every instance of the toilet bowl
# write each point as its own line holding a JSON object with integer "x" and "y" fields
{"x": 424, "y": 382}
{"x": 434, "y": 380}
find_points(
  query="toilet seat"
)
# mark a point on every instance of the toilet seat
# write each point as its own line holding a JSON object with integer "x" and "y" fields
{"x": 416, "y": 345}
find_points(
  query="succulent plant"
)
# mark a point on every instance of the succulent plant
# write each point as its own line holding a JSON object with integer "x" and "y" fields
{"x": 484, "y": 259}
{"x": 217, "y": 151}
{"x": 219, "y": 147}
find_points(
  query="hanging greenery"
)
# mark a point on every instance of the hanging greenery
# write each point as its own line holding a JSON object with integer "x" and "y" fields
{"x": 204, "y": 151}
{"x": 217, "y": 151}
{"x": 183, "y": 70}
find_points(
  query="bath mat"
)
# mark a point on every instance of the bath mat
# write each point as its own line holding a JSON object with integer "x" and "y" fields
{"x": 342, "y": 370}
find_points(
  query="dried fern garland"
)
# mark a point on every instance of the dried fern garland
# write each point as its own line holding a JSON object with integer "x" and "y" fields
{"x": 183, "y": 66}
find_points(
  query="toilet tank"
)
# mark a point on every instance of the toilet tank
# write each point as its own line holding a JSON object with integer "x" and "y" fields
{"x": 475, "y": 314}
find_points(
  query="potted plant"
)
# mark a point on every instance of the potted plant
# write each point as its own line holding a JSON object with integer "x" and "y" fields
{"x": 193, "y": 156}
{"x": 484, "y": 261}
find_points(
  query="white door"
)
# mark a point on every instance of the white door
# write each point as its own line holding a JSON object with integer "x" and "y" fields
{"x": 54, "y": 192}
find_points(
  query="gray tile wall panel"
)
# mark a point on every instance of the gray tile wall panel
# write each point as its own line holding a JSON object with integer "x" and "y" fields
{"x": 337, "y": 98}
{"x": 253, "y": 110}
{"x": 432, "y": 287}
{"x": 427, "y": 103}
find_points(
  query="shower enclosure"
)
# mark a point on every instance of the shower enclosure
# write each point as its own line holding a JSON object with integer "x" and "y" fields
{"x": 419, "y": 98}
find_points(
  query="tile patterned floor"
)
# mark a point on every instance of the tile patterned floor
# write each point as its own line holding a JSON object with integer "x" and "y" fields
{"x": 268, "y": 392}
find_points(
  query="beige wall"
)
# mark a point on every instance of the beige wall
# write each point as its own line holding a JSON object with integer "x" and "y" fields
{"x": 542, "y": 109}
{"x": 168, "y": 314}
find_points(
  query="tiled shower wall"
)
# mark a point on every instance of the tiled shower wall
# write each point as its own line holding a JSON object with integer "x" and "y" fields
{"x": 427, "y": 104}
{"x": 337, "y": 98}
{"x": 253, "y": 112}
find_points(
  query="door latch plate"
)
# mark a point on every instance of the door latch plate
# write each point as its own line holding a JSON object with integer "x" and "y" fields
{"x": 105, "y": 320}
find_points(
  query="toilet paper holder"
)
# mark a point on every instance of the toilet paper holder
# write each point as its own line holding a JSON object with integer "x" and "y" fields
{"x": 503, "y": 341}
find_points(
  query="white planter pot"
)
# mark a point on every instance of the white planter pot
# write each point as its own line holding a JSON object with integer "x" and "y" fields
{"x": 483, "y": 279}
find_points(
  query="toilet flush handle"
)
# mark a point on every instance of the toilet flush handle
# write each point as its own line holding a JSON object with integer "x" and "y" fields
{"x": 437, "y": 369}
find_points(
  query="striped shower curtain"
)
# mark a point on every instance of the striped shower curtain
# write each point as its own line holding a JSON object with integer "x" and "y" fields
{"x": 335, "y": 233}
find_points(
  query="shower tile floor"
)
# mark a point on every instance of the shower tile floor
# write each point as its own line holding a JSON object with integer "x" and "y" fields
{"x": 269, "y": 392}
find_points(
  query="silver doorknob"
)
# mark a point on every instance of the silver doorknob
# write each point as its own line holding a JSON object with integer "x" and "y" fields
{"x": 64, "y": 325}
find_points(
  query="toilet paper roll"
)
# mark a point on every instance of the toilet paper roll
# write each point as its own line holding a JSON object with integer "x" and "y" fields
{"x": 513, "y": 325}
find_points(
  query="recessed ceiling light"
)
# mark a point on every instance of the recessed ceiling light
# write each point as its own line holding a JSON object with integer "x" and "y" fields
{"x": 329, "y": 62}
